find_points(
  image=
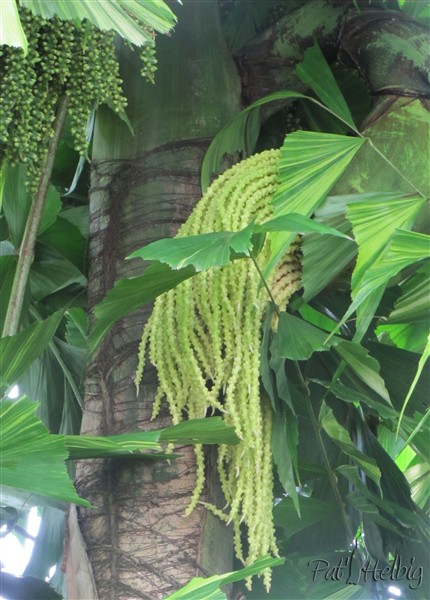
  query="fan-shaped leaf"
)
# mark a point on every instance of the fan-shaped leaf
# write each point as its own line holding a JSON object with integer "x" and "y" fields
{"x": 364, "y": 365}
{"x": 20, "y": 350}
{"x": 313, "y": 510}
{"x": 349, "y": 394}
{"x": 212, "y": 430}
{"x": 420, "y": 369}
{"x": 77, "y": 325}
{"x": 130, "y": 294}
{"x": 403, "y": 516}
{"x": 374, "y": 222}
{"x": 340, "y": 436}
{"x": 78, "y": 216}
{"x": 65, "y": 238}
{"x": 296, "y": 339}
{"x": 203, "y": 589}
{"x": 309, "y": 166}
{"x": 16, "y": 202}
{"x": 285, "y": 436}
{"x": 315, "y": 72}
{"x": 413, "y": 306}
{"x": 311, "y": 163}
{"x": 11, "y": 31}
{"x": 201, "y": 251}
{"x": 239, "y": 135}
{"x": 404, "y": 249}
{"x": 406, "y": 325}
{"x": 36, "y": 464}
{"x": 210, "y": 250}
{"x": 127, "y": 17}
{"x": 299, "y": 224}
{"x": 52, "y": 272}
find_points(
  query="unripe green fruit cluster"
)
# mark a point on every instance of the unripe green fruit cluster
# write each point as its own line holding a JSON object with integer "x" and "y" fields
{"x": 149, "y": 62}
{"x": 63, "y": 58}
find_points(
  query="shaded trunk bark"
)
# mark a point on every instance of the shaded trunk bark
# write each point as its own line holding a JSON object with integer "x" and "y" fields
{"x": 267, "y": 63}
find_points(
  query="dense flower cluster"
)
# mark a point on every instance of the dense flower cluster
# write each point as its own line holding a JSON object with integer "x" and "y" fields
{"x": 204, "y": 339}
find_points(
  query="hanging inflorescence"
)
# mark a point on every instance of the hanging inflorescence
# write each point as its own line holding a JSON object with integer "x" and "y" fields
{"x": 149, "y": 60}
{"x": 204, "y": 339}
{"x": 64, "y": 57}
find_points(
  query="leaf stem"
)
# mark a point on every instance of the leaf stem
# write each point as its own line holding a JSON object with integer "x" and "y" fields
{"x": 320, "y": 441}
{"x": 26, "y": 250}
{"x": 66, "y": 371}
{"x": 263, "y": 279}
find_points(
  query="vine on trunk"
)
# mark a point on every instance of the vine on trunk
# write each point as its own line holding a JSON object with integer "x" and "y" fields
{"x": 204, "y": 339}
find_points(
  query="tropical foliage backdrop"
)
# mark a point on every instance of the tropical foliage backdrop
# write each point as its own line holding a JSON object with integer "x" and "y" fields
{"x": 344, "y": 369}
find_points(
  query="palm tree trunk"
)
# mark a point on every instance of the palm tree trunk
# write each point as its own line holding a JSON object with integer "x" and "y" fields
{"x": 143, "y": 187}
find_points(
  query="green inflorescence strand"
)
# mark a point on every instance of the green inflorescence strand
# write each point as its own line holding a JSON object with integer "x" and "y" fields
{"x": 204, "y": 339}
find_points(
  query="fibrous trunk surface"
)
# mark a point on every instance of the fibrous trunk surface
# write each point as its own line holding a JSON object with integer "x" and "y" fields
{"x": 143, "y": 187}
